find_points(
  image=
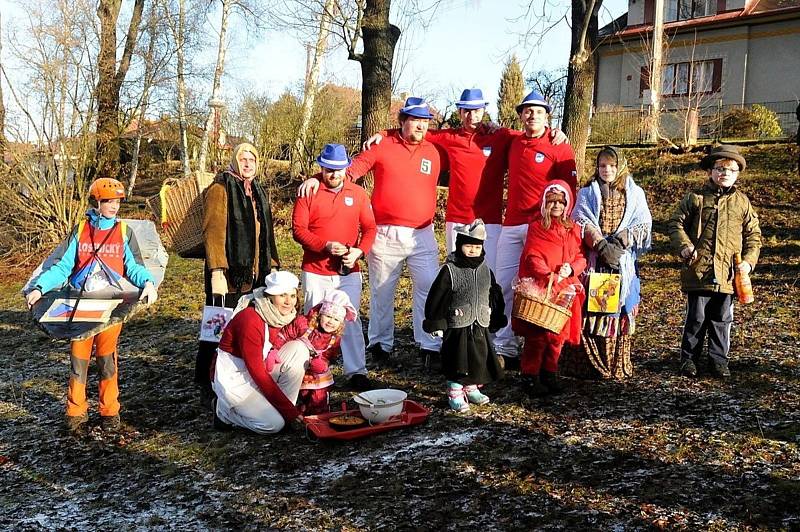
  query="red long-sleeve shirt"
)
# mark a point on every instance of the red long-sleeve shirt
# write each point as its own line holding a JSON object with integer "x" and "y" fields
{"x": 343, "y": 216}
{"x": 405, "y": 180}
{"x": 244, "y": 338}
{"x": 532, "y": 162}
{"x": 478, "y": 164}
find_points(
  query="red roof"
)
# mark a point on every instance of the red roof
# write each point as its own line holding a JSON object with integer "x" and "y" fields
{"x": 752, "y": 11}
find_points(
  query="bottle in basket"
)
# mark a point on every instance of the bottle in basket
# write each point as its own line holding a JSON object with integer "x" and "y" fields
{"x": 741, "y": 282}
{"x": 566, "y": 296}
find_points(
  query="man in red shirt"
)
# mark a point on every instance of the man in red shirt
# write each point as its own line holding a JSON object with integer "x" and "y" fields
{"x": 533, "y": 161}
{"x": 477, "y": 156}
{"x": 406, "y": 169}
{"x": 336, "y": 227}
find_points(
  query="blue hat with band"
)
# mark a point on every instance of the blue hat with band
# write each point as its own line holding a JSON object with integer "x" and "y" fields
{"x": 416, "y": 107}
{"x": 471, "y": 99}
{"x": 534, "y": 98}
{"x": 334, "y": 157}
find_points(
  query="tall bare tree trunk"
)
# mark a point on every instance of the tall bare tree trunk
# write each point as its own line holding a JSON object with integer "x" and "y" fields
{"x": 299, "y": 152}
{"x": 655, "y": 71}
{"x": 109, "y": 83}
{"x": 580, "y": 77}
{"x": 149, "y": 68}
{"x": 180, "y": 39}
{"x": 2, "y": 106}
{"x": 380, "y": 38}
{"x": 218, "y": 71}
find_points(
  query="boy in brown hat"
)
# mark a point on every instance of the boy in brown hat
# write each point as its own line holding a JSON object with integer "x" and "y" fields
{"x": 709, "y": 226}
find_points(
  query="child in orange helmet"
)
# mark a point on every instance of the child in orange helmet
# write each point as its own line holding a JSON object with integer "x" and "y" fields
{"x": 97, "y": 255}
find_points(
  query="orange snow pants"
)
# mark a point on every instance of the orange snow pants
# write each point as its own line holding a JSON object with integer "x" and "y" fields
{"x": 104, "y": 345}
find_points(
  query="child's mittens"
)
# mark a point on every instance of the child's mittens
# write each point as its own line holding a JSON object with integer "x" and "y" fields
{"x": 318, "y": 365}
{"x": 272, "y": 360}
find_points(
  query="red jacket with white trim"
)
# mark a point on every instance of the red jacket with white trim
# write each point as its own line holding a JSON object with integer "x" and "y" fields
{"x": 478, "y": 163}
{"x": 532, "y": 163}
{"x": 344, "y": 215}
{"x": 405, "y": 180}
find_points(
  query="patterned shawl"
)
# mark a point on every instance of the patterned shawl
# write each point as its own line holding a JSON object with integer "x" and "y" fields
{"x": 637, "y": 220}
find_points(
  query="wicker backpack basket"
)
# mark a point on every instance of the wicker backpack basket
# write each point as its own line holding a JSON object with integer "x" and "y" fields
{"x": 540, "y": 310}
{"x": 178, "y": 209}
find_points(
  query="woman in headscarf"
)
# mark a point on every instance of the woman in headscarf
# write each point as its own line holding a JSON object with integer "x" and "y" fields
{"x": 239, "y": 243}
{"x": 616, "y": 229}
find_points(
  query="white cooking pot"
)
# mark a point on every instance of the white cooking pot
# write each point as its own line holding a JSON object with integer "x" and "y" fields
{"x": 377, "y": 406}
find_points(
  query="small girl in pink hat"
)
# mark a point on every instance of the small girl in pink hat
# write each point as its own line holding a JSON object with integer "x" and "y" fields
{"x": 320, "y": 333}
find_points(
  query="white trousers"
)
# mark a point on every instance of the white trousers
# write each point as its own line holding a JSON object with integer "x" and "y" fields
{"x": 490, "y": 245}
{"x": 241, "y": 403}
{"x": 393, "y": 246}
{"x": 353, "y": 349}
{"x": 509, "y": 251}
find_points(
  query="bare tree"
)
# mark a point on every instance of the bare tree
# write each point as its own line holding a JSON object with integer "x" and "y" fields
{"x": 110, "y": 78}
{"x": 177, "y": 25}
{"x": 53, "y": 88}
{"x": 299, "y": 152}
{"x": 656, "y": 67}
{"x": 379, "y": 38}
{"x": 148, "y": 77}
{"x": 580, "y": 76}
{"x": 2, "y": 106}
{"x": 214, "y": 102}
{"x": 551, "y": 84}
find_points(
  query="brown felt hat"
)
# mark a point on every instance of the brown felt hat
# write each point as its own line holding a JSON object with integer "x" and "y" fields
{"x": 723, "y": 151}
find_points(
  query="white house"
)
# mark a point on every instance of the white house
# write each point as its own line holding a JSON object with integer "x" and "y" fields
{"x": 717, "y": 52}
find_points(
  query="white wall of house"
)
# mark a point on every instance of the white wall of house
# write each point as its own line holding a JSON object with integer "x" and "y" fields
{"x": 760, "y": 63}
{"x": 773, "y": 63}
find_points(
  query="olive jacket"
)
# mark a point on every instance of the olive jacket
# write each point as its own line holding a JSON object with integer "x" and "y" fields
{"x": 718, "y": 222}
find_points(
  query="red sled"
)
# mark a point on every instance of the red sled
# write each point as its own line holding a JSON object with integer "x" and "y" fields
{"x": 413, "y": 414}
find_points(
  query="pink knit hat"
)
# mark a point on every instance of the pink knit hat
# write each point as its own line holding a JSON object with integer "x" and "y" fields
{"x": 336, "y": 304}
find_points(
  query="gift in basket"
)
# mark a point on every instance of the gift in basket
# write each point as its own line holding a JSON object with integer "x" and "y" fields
{"x": 535, "y": 306}
{"x": 178, "y": 207}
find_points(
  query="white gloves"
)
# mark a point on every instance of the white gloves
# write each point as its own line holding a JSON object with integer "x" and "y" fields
{"x": 437, "y": 334}
{"x": 219, "y": 285}
{"x": 149, "y": 293}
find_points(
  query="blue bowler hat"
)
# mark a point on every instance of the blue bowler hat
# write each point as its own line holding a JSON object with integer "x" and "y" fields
{"x": 334, "y": 157}
{"x": 416, "y": 107}
{"x": 534, "y": 98}
{"x": 471, "y": 99}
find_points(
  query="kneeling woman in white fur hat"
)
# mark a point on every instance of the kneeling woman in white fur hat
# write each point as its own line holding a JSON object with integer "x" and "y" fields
{"x": 253, "y": 390}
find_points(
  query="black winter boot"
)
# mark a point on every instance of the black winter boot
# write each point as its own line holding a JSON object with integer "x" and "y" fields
{"x": 533, "y": 386}
{"x": 552, "y": 382}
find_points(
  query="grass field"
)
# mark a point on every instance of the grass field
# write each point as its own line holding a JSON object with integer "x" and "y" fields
{"x": 656, "y": 451}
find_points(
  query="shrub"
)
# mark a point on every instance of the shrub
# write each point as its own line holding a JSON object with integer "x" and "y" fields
{"x": 754, "y": 122}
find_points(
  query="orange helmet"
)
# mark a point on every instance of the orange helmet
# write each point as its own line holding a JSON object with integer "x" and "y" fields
{"x": 106, "y": 188}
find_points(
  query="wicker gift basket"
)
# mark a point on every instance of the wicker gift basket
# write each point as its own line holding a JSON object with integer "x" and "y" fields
{"x": 178, "y": 209}
{"x": 540, "y": 311}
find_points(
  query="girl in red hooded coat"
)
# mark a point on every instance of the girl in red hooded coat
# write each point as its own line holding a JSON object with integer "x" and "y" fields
{"x": 552, "y": 248}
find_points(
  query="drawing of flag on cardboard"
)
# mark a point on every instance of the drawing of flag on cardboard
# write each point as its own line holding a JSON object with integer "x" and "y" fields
{"x": 89, "y": 310}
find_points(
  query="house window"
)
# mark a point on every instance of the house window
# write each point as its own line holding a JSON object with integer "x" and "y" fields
{"x": 686, "y": 78}
{"x": 688, "y": 9}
